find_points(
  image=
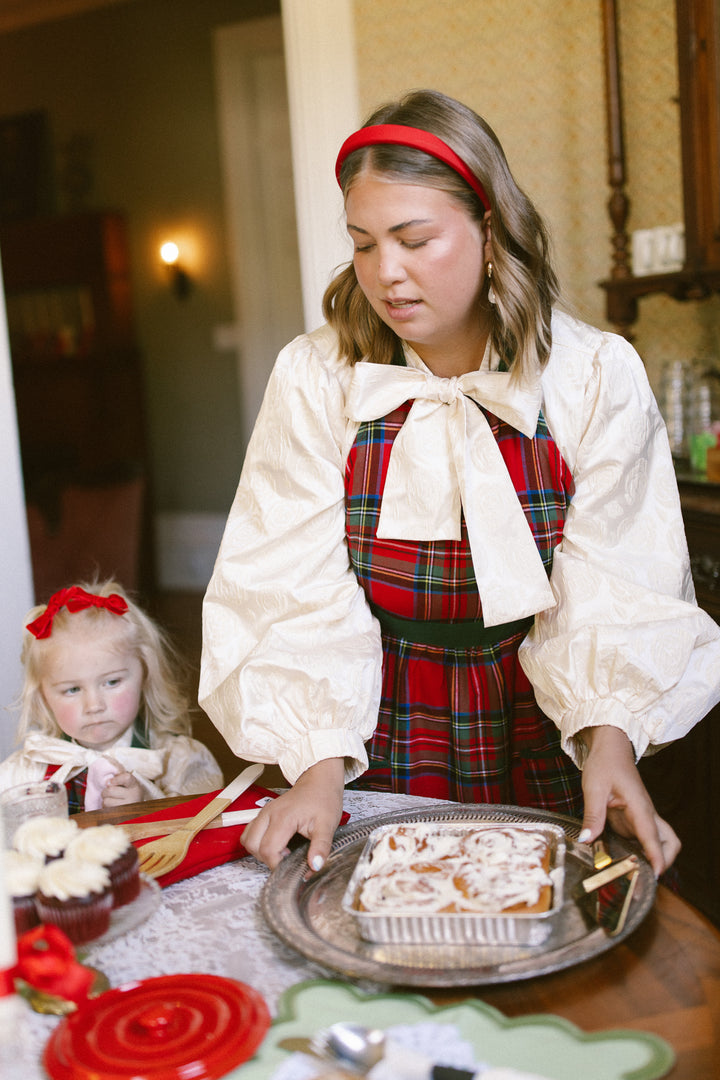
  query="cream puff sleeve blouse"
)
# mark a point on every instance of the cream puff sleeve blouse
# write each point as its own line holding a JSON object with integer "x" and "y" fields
{"x": 291, "y": 664}
{"x": 291, "y": 655}
{"x": 626, "y": 644}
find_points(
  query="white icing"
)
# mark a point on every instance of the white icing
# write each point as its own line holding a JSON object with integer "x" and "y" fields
{"x": 428, "y": 868}
{"x": 21, "y": 872}
{"x": 44, "y": 836}
{"x": 66, "y": 878}
{"x": 100, "y": 843}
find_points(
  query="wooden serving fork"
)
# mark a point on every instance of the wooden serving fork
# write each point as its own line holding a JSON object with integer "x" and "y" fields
{"x": 162, "y": 855}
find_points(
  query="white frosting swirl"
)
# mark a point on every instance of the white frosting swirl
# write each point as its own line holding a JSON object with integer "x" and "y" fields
{"x": 21, "y": 872}
{"x": 425, "y": 867}
{"x": 44, "y": 836}
{"x": 66, "y": 878}
{"x": 100, "y": 843}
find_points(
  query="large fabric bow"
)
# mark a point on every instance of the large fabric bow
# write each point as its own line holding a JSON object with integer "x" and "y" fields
{"x": 444, "y": 460}
{"x": 74, "y": 599}
{"x": 46, "y": 961}
{"x": 146, "y": 765}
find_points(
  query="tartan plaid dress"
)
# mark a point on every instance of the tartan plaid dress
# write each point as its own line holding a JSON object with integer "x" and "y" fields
{"x": 456, "y": 722}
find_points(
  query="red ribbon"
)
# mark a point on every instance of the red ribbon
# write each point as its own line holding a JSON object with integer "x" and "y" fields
{"x": 74, "y": 599}
{"x": 46, "y": 961}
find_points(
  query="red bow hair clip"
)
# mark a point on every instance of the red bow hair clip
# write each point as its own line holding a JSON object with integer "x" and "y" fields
{"x": 74, "y": 599}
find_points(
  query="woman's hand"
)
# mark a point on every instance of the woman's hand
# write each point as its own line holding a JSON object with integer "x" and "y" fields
{"x": 313, "y": 808}
{"x": 614, "y": 791}
{"x": 122, "y": 788}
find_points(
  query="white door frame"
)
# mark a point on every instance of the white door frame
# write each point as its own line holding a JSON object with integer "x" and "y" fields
{"x": 16, "y": 584}
{"x": 280, "y": 259}
{"x": 321, "y": 70}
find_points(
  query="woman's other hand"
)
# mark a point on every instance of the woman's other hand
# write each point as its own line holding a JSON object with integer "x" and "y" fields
{"x": 614, "y": 791}
{"x": 312, "y": 808}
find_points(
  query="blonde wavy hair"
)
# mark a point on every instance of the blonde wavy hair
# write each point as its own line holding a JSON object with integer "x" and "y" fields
{"x": 524, "y": 282}
{"x": 164, "y": 705}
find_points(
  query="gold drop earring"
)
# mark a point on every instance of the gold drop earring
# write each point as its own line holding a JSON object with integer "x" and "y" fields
{"x": 491, "y": 292}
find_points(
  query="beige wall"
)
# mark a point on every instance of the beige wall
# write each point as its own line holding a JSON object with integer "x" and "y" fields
{"x": 534, "y": 69}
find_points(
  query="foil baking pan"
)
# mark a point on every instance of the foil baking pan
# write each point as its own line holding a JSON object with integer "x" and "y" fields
{"x": 458, "y": 928}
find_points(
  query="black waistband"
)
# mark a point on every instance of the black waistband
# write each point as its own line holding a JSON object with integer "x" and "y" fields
{"x": 448, "y": 635}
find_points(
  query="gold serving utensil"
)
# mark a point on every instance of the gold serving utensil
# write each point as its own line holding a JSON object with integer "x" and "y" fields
{"x": 164, "y": 854}
{"x": 601, "y": 855}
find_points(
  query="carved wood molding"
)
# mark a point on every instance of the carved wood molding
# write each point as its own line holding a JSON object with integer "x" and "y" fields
{"x": 698, "y": 23}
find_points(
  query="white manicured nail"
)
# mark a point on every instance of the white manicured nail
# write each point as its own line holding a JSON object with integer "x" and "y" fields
{"x": 317, "y": 862}
{"x": 584, "y": 837}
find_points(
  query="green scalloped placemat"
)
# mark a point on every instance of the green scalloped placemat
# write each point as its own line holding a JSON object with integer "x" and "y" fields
{"x": 544, "y": 1044}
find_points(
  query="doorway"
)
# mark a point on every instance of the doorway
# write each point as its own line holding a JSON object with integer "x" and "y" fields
{"x": 254, "y": 127}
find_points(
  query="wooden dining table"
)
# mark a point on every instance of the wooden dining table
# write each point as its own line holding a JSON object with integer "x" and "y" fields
{"x": 664, "y": 978}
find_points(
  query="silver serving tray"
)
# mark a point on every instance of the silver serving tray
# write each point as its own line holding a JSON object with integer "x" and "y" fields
{"x": 308, "y": 915}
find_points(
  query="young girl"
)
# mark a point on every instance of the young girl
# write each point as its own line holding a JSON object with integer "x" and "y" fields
{"x": 455, "y": 565}
{"x": 101, "y": 708}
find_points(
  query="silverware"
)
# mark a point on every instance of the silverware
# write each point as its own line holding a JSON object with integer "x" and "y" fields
{"x": 357, "y": 1049}
{"x": 300, "y": 1045}
{"x": 352, "y": 1044}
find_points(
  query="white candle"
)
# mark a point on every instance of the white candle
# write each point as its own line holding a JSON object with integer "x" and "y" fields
{"x": 8, "y": 944}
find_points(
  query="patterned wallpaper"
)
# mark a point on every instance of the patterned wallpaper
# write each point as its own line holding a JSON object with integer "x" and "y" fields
{"x": 534, "y": 70}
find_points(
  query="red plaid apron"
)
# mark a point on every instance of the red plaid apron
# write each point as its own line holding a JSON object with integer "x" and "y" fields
{"x": 456, "y": 721}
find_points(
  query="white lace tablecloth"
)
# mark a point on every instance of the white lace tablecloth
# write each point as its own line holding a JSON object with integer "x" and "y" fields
{"x": 211, "y": 923}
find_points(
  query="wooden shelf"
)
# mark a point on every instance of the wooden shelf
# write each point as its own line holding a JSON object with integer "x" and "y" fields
{"x": 623, "y": 293}
{"x": 698, "y": 52}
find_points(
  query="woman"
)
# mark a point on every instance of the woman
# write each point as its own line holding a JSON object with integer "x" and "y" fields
{"x": 455, "y": 565}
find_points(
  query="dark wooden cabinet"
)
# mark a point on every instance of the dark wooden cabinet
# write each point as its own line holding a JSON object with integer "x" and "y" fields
{"x": 683, "y": 778}
{"x": 78, "y": 384}
{"x": 701, "y": 513}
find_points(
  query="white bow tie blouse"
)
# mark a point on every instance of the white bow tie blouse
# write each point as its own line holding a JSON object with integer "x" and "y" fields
{"x": 291, "y": 664}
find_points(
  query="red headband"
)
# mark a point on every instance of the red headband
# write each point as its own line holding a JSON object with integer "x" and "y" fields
{"x": 401, "y": 135}
{"x": 74, "y": 599}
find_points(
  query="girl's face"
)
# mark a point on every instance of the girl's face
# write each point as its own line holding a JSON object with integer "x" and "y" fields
{"x": 92, "y": 684}
{"x": 420, "y": 261}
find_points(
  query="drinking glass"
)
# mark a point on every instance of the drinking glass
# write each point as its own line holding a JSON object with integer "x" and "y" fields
{"x": 41, "y": 798}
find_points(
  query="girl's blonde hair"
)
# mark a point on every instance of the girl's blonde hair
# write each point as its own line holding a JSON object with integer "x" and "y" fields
{"x": 524, "y": 282}
{"x": 163, "y": 705}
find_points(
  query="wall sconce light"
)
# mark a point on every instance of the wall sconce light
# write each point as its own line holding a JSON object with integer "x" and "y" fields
{"x": 180, "y": 280}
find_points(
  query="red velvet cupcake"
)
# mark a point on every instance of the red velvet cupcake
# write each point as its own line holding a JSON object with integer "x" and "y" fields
{"x": 21, "y": 878}
{"x": 110, "y": 846}
{"x": 75, "y": 895}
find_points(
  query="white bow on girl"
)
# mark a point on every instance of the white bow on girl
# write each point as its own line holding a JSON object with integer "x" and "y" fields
{"x": 146, "y": 765}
